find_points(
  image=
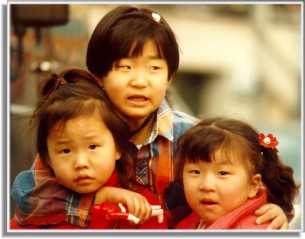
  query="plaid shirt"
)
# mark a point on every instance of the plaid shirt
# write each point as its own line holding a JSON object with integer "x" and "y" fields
{"x": 154, "y": 169}
{"x": 41, "y": 200}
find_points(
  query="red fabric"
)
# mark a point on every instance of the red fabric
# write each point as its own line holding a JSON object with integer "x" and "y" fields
{"x": 103, "y": 223}
{"x": 241, "y": 218}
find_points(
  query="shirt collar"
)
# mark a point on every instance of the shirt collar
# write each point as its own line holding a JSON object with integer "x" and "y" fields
{"x": 163, "y": 125}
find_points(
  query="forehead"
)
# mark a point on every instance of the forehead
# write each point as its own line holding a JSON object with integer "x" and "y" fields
{"x": 226, "y": 156}
{"x": 78, "y": 122}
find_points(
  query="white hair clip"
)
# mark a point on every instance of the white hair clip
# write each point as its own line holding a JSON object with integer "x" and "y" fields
{"x": 156, "y": 17}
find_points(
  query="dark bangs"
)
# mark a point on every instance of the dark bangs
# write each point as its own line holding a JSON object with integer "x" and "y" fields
{"x": 132, "y": 45}
{"x": 126, "y": 36}
{"x": 201, "y": 142}
{"x": 72, "y": 108}
{"x": 208, "y": 142}
{"x": 203, "y": 145}
{"x": 60, "y": 111}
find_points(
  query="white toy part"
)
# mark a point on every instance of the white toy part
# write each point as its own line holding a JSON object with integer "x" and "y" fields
{"x": 156, "y": 211}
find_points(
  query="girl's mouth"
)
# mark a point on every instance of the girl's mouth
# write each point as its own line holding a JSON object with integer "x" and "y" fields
{"x": 83, "y": 180}
{"x": 208, "y": 202}
{"x": 137, "y": 98}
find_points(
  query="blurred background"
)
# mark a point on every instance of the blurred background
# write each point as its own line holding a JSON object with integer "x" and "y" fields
{"x": 239, "y": 60}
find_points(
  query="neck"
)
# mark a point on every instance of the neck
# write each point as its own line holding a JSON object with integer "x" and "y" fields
{"x": 143, "y": 125}
{"x": 140, "y": 135}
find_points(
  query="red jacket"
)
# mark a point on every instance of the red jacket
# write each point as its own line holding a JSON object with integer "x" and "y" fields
{"x": 241, "y": 218}
{"x": 97, "y": 222}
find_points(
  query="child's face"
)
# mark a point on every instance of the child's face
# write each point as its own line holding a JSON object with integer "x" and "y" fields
{"x": 137, "y": 85}
{"x": 213, "y": 189}
{"x": 83, "y": 153}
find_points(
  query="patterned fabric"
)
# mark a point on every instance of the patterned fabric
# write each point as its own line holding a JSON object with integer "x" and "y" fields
{"x": 58, "y": 221}
{"x": 40, "y": 198}
{"x": 155, "y": 157}
{"x": 154, "y": 169}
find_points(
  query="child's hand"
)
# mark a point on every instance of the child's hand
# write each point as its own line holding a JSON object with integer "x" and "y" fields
{"x": 113, "y": 211}
{"x": 137, "y": 204}
{"x": 272, "y": 212}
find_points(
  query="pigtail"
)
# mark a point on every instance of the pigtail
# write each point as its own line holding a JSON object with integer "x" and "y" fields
{"x": 278, "y": 178}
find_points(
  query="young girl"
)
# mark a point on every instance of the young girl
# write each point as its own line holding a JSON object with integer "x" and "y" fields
{"x": 82, "y": 142}
{"x": 228, "y": 170}
{"x": 133, "y": 54}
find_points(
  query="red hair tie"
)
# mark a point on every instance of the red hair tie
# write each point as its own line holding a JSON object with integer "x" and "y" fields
{"x": 268, "y": 141}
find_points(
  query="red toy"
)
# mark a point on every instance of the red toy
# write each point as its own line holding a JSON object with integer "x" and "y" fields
{"x": 112, "y": 211}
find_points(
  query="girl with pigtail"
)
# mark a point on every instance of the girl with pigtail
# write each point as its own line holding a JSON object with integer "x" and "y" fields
{"x": 228, "y": 170}
{"x": 82, "y": 142}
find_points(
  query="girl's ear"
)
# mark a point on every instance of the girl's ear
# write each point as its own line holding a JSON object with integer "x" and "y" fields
{"x": 49, "y": 162}
{"x": 169, "y": 81}
{"x": 255, "y": 185}
{"x": 118, "y": 154}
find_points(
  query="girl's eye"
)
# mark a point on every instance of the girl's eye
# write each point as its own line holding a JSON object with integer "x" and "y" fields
{"x": 154, "y": 68}
{"x": 194, "y": 171}
{"x": 92, "y": 147}
{"x": 122, "y": 67}
{"x": 65, "y": 151}
{"x": 222, "y": 173}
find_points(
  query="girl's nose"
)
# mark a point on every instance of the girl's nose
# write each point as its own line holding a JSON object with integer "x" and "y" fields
{"x": 139, "y": 79}
{"x": 207, "y": 183}
{"x": 81, "y": 161}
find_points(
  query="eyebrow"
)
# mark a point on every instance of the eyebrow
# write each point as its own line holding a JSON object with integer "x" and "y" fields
{"x": 223, "y": 162}
{"x": 89, "y": 136}
{"x": 156, "y": 58}
{"x": 93, "y": 136}
{"x": 62, "y": 142}
{"x": 153, "y": 57}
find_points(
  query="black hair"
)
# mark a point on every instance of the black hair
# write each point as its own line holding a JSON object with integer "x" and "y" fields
{"x": 124, "y": 31}
{"x": 201, "y": 141}
{"x": 72, "y": 93}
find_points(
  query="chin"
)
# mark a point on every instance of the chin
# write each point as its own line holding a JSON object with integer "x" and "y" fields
{"x": 84, "y": 190}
